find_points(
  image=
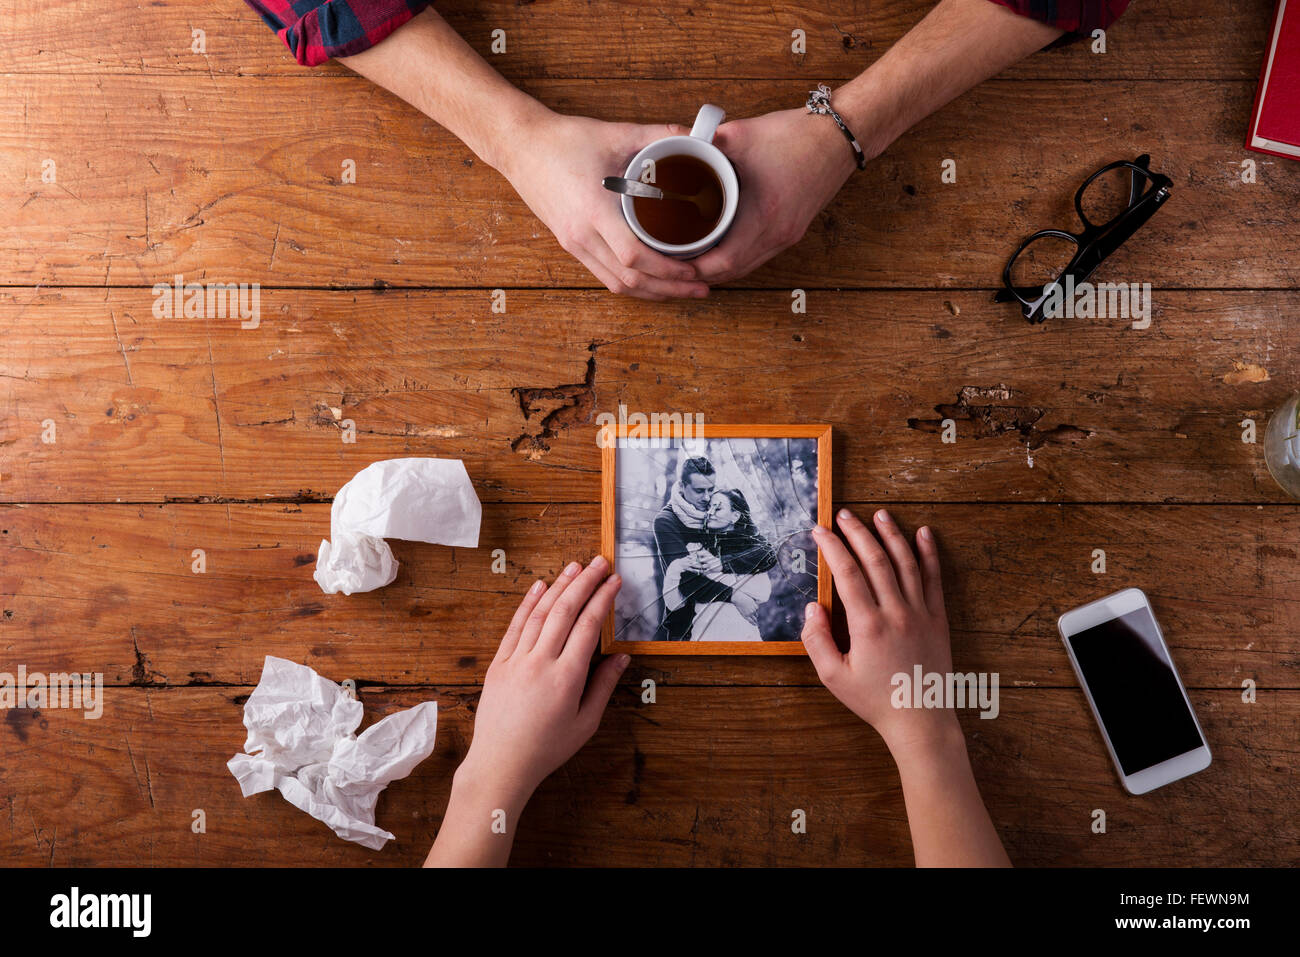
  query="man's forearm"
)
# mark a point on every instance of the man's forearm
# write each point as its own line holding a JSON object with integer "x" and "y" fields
{"x": 959, "y": 44}
{"x": 430, "y": 66}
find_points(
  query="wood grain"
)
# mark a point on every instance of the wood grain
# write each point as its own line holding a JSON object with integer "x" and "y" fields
{"x": 129, "y": 441}
{"x": 703, "y": 776}
{"x": 161, "y": 176}
{"x": 112, "y": 588}
{"x": 1155, "y": 39}
{"x": 151, "y": 410}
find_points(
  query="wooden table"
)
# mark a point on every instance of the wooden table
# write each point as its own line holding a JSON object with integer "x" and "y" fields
{"x": 172, "y": 435}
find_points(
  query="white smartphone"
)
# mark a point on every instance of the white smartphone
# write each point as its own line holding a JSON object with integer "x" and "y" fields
{"x": 1140, "y": 704}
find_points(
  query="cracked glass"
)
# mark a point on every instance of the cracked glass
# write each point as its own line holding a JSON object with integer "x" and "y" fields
{"x": 713, "y": 538}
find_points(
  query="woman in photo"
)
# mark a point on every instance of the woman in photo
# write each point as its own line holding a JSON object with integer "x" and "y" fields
{"x": 734, "y": 555}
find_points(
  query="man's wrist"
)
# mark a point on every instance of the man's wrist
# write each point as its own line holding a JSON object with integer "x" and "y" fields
{"x": 833, "y": 144}
{"x": 859, "y": 114}
{"x": 857, "y": 106}
{"x": 519, "y": 120}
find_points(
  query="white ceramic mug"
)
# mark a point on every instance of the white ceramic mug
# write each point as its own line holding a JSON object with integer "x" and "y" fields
{"x": 698, "y": 144}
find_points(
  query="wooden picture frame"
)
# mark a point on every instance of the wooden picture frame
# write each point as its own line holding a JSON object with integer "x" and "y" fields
{"x": 609, "y": 439}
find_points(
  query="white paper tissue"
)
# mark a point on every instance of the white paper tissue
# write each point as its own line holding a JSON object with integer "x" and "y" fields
{"x": 303, "y": 724}
{"x": 416, "y": 499}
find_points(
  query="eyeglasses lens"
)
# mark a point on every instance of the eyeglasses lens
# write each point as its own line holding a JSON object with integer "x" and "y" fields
{"x": 1042, "y": 261}
{"x": 1107, "y": 196}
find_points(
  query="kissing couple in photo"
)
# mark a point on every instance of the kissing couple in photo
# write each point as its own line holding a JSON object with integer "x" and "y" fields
{"x": 711, "y": 561}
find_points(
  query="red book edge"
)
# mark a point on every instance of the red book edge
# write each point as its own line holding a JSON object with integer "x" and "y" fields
{"x": 1259, "y": 90}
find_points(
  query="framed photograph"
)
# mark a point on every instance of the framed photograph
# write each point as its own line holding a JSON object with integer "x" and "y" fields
{"x": 710, "y": 527}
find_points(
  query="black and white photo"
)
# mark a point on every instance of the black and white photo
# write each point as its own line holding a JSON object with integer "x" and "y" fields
{"x": 713, "y": 538}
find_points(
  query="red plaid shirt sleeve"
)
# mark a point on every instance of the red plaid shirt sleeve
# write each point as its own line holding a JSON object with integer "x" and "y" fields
{"x": 317, "y": 30}
{"x": 1072, "y": 16}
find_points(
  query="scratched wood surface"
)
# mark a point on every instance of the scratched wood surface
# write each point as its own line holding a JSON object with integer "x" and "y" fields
{"x": 705, "y": 776}
{"x": 173, "y": 174}
{"x": 152, "y": 410}
{"x": 117, "y": 582}
{"x": 1162, "y": 39}
{"x": 181, "y": 434}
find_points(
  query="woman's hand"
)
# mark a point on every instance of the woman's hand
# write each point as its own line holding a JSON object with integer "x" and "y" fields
{"x": 746, "y": 605}
{"x": 896, "y": 621}
{"x": 558, "y": 173}
{"x": 536, "y": 710}
{"x": 707, "y": 563}
{"x": 791, "y": 164}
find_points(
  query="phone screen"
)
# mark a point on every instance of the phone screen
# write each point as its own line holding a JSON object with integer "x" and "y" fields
{"x": 1136, "y": 691}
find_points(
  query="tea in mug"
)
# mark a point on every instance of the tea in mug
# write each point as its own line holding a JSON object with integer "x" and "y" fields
{"x": 675, "y": 221}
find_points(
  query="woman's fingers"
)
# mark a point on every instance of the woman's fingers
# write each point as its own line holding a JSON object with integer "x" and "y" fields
{"x": 537, "y": 618}
{"x": 516, "y": 627}
{"x": 849, "y": 581}
{"x": 931, "y": 579}
{"x": 562, "y": 615}
{"x": 904, "y": 559}
{"x": 875, "y": 561}
{"x": 599, "y": 690}
{"x": 584, "y": 637}
{"x": 820, "y": 644}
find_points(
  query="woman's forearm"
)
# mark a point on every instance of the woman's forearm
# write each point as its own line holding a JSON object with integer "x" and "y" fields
{"x": 430, "y": 66}
{"x": 478, "y": 829}
{"x": 672, "y": 596}
{"x": 950, "y": 825}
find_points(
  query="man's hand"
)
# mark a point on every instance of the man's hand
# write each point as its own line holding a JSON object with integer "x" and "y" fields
{"x": 706, "y": 563}
{"x": 557, "y": 170}
{"x": 555, "y": 162}
{"x": 791, "y": 164}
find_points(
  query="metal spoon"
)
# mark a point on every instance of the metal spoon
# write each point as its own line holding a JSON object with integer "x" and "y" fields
{"x": 632, "y": 187}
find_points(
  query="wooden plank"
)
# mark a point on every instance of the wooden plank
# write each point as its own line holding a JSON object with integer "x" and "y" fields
{"x": 702, "y": 777}
{"x": 1156, "y": 39}
{"x": 225, "y": 167}
{"x": 148, "y": 409}
{"x": 165, "y": 175}
{"x": 113, "y": 588}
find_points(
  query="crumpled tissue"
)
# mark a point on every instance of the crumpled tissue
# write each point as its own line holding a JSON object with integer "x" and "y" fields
{"x": 416, "y": 499}
{"x": 303, "y": 724}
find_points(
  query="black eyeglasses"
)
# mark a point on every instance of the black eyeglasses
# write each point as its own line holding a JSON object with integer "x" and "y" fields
{"x": 1046, "y": 254}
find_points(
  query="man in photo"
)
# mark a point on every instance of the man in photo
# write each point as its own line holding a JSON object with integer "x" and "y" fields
{"x": 682, "y": 534}
{"x": 735, "y": 543}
